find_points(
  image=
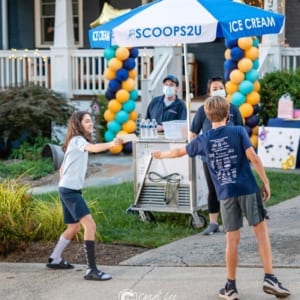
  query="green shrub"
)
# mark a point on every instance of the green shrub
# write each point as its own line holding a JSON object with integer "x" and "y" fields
{"x": 28, "y": 111}
{"x": 16, "y": 226}
{"x": 273, "y": 86}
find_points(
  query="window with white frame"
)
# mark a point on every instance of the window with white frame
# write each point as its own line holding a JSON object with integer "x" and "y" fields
{"x": 44, "y": 22}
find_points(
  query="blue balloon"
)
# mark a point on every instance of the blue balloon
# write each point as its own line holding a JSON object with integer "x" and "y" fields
{"x": 134, "y": 52}
{"x": 114, "y": 85}
{"x": 129, "y": 63}
{"x": 109, "y": 136}
{"x": 230, "y": 65}
{"x": 109, "y": 53}
{"x": 238, "y": 98}
{"x": 114, "y": 126}
{"x": 252, "y": 75}
{"x": 122, "y": 116}
{"x": 256, "y": 109}
{"x": 109, "y": 94}
{"x": 246, "y": 87}
{"x": 227, "y": 75}
{"x": 230, "y": 43}
{"x": 134, "y": 94}
{"x": 248, "y": 129}
{"x": 122, "y": 74}
{"x": 252, "y": 121}
{"x": 236, "y": 53}
{"x": 255, "y": 64}
{"x": 129, "y": 106}
{"x": 255, "y": 42}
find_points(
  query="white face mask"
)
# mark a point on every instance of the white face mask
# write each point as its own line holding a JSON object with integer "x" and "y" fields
{"x": 221, "y": 93}
{"x": 168, "y": 91}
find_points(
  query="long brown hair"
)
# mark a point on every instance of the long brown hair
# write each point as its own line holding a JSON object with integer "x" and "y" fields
{"x": 75, "y": 128}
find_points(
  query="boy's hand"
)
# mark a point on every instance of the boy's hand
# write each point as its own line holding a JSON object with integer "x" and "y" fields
{"x": 156, "y": 154}
{"x": 265, "y": 192}
{"x": 117, "y": 141}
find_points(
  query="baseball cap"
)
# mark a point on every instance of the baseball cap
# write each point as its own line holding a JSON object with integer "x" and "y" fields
{"x": 172, "y": 78}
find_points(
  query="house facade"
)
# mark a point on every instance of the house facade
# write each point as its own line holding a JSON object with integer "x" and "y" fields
{"x": 29, "y": 50}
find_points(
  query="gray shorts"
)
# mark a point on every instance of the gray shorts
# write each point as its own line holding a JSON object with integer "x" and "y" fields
{"x": 233, "y": 209}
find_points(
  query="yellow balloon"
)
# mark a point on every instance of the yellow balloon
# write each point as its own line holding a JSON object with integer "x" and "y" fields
{"x": 228, "y": 97}
{"x": 109, "y": 115}
{"x": 253, "y": 98}
{"x": 109, "y": 74}
{"x": 231, "y": 87}
{"x": 254, "y": 140}
{"x": 227, "y": 54}
{"x": 115, "y": 64}
{"x": 246, "y": 110}
{"x": 116, "y": 149}
{"x": 114, "y": 105}
{"x": 252, "y": 53}
{"x": 245, "y": 64}
{"x": 128, "y": 84}
{"x": 122, "y": 95}
{"x": 122, "y": 53}
{"x": 256, "y": 86}
{"x": 133, "y": 115}
{"x": 245, "y": 43}
{"x": 132, "y": 73}
{"x": 236, "y": 76}
{"x": 255, "y": 130}
{"x": 129, "y": 126}
{"x": 122, "y": 132}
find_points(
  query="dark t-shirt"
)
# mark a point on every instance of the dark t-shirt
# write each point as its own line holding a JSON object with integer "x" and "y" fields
{"x": 224, "y": 151}
{"x": 161, "y": 113}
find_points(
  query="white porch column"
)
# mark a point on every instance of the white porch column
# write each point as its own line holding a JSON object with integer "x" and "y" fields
{"x": 61, "y": 76}
{"x": 4, "y": 25}
{"x": 271, "y": 43}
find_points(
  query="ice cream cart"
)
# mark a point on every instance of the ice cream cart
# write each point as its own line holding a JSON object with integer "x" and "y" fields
{"x": 168, "y": 185}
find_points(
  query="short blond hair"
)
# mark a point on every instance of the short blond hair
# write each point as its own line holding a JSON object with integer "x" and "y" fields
{"x": 216, "y": 108}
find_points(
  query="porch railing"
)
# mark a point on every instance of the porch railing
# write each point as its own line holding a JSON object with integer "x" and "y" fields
{"x": 18, "y": 67}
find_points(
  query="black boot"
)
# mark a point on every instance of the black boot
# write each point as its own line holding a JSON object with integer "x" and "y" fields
{"x": 92, "y": 272}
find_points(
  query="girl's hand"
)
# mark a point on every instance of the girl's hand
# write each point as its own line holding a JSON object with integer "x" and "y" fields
{"x": 156, "y": 154}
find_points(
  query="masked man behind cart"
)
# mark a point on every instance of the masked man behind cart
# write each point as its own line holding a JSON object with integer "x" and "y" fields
{"x": 168, "y": 106}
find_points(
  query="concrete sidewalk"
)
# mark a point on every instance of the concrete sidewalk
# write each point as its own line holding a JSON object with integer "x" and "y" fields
{"x": 187, "y": 269}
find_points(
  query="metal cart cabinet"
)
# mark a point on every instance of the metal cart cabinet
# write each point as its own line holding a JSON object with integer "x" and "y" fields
{"x": 168, "y": 185}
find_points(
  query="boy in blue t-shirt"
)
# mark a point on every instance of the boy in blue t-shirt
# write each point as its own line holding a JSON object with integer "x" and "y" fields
{"x": 227, "y": 151}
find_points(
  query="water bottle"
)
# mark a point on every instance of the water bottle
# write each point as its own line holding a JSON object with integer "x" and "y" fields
{"x": 148, "y": 129}
{"x": 143, "y": 128}
{"x": 154, "y": 129}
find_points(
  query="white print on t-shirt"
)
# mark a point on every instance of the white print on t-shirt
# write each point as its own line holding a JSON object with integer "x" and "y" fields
{"x": 223, "y": 160}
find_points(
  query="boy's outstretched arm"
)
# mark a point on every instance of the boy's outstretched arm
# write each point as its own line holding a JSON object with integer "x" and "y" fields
{"x": 178, "y": 152}
{"x": 259, "y": 168}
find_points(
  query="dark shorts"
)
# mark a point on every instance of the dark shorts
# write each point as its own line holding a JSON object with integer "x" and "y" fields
{"x": 73, "y": 205}
{"x": 233, "y": 209}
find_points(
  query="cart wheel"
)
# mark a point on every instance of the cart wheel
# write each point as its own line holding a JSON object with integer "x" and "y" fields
{"x": 203, "y": 221}
{"x": 147, "y": 216}
{"x": 130, "y": 211}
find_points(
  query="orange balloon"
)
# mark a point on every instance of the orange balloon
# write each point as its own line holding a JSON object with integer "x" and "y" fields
{"x": 115, "y": 64}
{"x": 245, "y": 43}
{"x": 132, "y": 73}
{"x": 245, "y": 64}
{"x": 253, "y": 98}
{"x": 122, "y": 132}
{"x": 231, "y": 87}
{"x": 122, "y": 95}
{"x": 114, "y": 105}
{"x": 128, "y": 84}
{"x": 227, "y": 54}
{"x": 236, "y": 76}
{"x": 254, "y": 140}
{"x": 122, "y": 53}
{"x": 116, "y": 149}
{"x": 256, "y": 86}
{"x": 109, "y": 115}
{"x": 246, "y": 110}
{"x": 252, "y": 53}
{"x": 228, "y": 97}
{"x": 133, "y": 115}
{"x": 109, "y": 74}
{"x": 129, "y": 126}
{"x": 255, "y": 130}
